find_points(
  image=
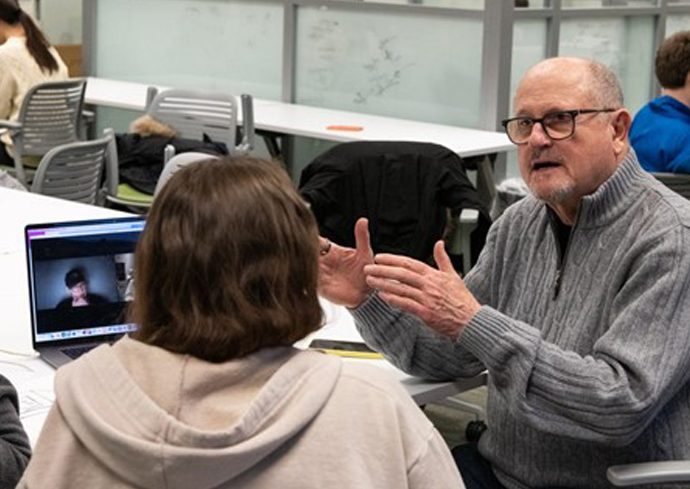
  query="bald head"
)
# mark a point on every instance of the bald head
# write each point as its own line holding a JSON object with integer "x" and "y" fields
{"x": 595, "y": 81}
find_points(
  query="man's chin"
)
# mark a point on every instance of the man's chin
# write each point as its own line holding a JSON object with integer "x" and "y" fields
{"x": 552, "y": 194}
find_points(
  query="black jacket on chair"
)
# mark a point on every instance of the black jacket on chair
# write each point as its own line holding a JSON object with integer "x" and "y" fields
{"x": 403, "y": 188}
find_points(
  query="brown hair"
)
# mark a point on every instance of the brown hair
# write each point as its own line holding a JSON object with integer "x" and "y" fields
{"x": 672, "y": 63}
{"x": 228, "y": 262}
{"x": 36, "y": 43}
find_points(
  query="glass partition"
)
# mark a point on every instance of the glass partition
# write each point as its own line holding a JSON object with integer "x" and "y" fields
{"x": 404, "y": 65}
{"x": 61, "y": 21}
{"x": 677, "y": 23}
{"x": 463, "y": 4}
{"x": 413, "y": 59}
{"x": 230, "y": 46}
{"x": 608, "y": 3}
{"x": 529, "y": 47}
{"x": 624, "y": 44}
{"x": 531, "y": 3}
{"x": 466, "y": 4}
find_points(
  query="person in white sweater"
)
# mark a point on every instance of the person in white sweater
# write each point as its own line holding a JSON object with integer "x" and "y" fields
{"x": 210, "y": 392}
{"x": 26, "y": 59}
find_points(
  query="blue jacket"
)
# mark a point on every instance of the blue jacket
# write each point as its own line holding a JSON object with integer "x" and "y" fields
{"x": 660, "y": 135}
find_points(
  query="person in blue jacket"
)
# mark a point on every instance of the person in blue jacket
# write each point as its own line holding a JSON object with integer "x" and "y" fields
{"x": 660, "y": 133}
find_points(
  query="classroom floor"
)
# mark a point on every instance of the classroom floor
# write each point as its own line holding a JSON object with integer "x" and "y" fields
{"x": 451, "y": 422}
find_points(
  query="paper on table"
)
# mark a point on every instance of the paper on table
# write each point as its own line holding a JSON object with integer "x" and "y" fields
{"x": 33, "y": 380}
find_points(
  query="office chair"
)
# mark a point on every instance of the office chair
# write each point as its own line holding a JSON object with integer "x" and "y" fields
{"x": 678, "y": 182}
{"x": 193, "y": 115}
{"x": 176, "y": 163}
{"x": 50, "y": 116}
{"x": 649, "y": 473}
{"x": 404, "y": 188}
{"x": 200, "y": 116}
{"x": 74, "y": 171}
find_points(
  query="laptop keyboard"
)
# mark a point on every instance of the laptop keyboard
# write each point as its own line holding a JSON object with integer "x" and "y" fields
{"x": 76, "y": 351}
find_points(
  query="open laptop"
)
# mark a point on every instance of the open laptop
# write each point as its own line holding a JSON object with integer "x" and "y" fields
{"x": 80, "y": 281}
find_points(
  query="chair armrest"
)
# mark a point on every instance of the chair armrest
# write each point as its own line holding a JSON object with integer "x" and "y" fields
{"x": 151, "y": 93}
{"x": 88, "y": 115}
{"x": 247, "y": 143}
{"x": 168, "y": 153}
{"x": 12, "y": 126}
{"x": 469, "y": 216}
{"x": 112, "y": 164}
{"x": 649, "y": 473}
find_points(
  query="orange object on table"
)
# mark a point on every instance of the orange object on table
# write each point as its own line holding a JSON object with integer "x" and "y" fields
{"x": 344, "y": 128}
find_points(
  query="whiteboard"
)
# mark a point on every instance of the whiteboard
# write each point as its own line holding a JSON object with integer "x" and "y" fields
{"x": 623, "y": 44}
{"x": 231, "y": 46}
{"x": 397, "y": 64}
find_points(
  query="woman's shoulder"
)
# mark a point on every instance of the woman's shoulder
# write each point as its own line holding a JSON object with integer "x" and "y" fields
{"x": 375, "y": 382}
{"x": 14, "y": 47}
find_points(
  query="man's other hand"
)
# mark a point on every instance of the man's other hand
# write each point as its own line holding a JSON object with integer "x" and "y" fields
{"x": 341, "y": 270}
{"x": 438, "y": 297}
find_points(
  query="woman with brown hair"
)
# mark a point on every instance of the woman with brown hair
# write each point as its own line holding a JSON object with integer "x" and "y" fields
{"x": 210, "y": 393}
{"x": 26, "y": 59}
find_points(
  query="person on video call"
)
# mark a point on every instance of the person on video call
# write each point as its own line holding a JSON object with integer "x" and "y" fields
{"x": 77, "y": 286}
{"x": 210, "y": 392}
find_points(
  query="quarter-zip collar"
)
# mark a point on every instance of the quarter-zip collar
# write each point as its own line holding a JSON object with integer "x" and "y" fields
{"x": 615, "y": 195}
{"x": 605, "y": 204}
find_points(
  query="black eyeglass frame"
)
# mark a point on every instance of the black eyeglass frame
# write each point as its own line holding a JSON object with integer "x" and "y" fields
{"x": 573, "y": 114}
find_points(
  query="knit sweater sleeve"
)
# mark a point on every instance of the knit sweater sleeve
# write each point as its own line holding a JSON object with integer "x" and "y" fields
{"x": 14, "y": 444}
{"x": 634, "y": 368}
{"x": 410, "y": 345}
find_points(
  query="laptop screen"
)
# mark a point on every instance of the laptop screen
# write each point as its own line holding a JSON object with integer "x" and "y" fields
{"x": 81, "y": 278}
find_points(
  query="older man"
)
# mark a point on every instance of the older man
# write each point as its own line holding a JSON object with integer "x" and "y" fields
{"x": 579, "y": 306}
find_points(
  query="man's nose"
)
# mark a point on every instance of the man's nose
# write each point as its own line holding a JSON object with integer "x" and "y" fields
{"x": 539, "y": 138}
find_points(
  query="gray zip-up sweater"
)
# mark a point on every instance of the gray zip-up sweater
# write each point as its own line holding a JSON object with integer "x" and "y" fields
{"x": 595, "y": 375}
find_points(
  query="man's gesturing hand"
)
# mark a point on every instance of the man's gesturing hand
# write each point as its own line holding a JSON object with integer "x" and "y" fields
{"x": 438, "y": 297}
{"x": 341, "y": 270}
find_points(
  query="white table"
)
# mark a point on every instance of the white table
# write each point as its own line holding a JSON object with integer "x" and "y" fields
{"x": 313, "y": 122}
{"x": 34, "y": 379}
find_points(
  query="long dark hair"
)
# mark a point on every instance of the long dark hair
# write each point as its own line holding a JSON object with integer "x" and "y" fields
{"x": 36, "y": 42}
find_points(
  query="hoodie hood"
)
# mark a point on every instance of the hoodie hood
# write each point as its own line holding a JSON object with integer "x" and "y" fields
{"x": 670, "y": 107}
{"x": 164, "y": 420}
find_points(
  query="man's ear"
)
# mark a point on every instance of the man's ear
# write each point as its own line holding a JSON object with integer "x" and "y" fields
{"x": 620, "y": 126}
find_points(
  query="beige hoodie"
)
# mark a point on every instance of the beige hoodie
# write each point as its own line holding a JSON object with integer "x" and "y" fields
{"x": 133, "y": 415}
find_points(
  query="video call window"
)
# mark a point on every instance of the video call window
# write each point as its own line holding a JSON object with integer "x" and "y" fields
{"x": 82, "y": 282}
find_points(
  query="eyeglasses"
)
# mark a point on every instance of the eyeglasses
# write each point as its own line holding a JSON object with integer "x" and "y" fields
{"x": 557, "y": 125}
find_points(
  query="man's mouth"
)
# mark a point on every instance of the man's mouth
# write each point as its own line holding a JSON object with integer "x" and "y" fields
{"x": 544, "y": 165}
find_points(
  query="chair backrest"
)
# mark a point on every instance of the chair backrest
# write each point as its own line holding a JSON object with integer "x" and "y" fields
{"x": 50, "y": 115}
{"x": 177, "y": 162}
{"x": 74, "y": 171}
{"x": 195, "y": 115}
{"x": 678, "y": 182}
{"x": 404, "y": 188}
